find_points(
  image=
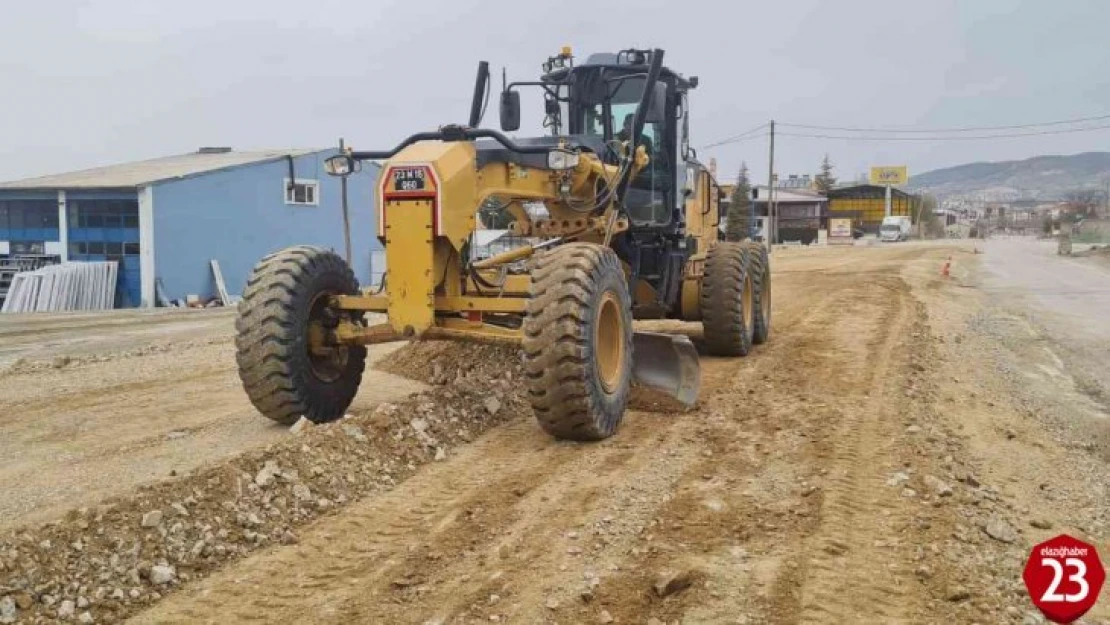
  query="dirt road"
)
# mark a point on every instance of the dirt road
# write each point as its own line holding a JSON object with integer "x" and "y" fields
{"x": 1070, "y": 289}
{"x": 95, "y": 405}
{"x": 770, "y": 500}
{"x": 890, "y": 456}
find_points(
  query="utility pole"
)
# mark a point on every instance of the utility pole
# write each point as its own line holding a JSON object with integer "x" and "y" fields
{"x": 346, "y": 213}
{"x": 772, "y": 221}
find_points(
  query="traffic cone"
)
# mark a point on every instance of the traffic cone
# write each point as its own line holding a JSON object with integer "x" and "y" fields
{"x": 947, "y": 266}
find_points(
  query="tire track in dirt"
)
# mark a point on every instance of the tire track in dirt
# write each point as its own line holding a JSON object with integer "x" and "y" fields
{"x": 846, "y": 565}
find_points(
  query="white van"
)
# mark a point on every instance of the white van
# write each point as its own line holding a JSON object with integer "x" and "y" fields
{"x": 895, "y": 228}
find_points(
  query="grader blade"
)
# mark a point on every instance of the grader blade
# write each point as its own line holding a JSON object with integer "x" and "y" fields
{"x": 667, "y": 362}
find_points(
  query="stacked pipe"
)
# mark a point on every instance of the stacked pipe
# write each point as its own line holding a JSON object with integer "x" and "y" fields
{"x": 68, "y": 286}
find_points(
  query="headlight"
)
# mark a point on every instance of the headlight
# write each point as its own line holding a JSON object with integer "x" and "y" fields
{"x": 562, "y": 159}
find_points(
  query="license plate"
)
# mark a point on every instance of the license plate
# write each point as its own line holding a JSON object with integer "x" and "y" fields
{"x": 408, "y": 179}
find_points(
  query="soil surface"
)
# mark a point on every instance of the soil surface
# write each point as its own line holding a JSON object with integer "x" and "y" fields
{"x": 891, "y": 455}
{"x": 96, "y": 405}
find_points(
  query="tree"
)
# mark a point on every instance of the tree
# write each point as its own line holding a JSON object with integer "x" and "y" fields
{"x": 740, "y": 208}
{"x": 825, "y": 179}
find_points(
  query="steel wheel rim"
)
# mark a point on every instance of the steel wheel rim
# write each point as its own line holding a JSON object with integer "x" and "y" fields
{"x": 609, "y": 342}
{"x": 746, "y": 303}
{"x": 327, "y": 363}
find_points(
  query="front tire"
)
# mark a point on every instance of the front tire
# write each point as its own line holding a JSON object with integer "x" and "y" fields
{"x": 578, "y": 342}
{"x": 283, "y": 376}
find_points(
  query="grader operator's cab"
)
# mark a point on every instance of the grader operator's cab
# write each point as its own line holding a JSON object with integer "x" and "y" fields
{"x": 627, "y": 228}
{"x": 594, "y": 105}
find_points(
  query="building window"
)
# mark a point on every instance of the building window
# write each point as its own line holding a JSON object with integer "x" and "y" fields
{"x": 103, "y": 214}
{"x": 302, "y": 192}
{"x": 20, "y": 214}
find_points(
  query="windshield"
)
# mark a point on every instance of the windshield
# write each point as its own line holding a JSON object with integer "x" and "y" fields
{"x": 611, "y": 119}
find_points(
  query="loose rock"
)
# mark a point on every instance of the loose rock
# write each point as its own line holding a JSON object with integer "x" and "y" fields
{"x": 1041, "y": 524}
{"x": 492, "y": 405}
{"x": 300, "y": 426}
{"x": 152, "y": 518}
{"x": 161, "y": 575}
{"x": 605, "y": 618}
{"x": 670, "y": 582}
{"x": 938, "y": 486}
{"x": 7, "y": 610}
{"x": 302, "y": 492}
{"x": 67, "y": 609}
{"x": 1000, "y": 530}
{"x": 354, "y": 432}
{"x": 897, "y": 479}
{"x": 267, "y": 473}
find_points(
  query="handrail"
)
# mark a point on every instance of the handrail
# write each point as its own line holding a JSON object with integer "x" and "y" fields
{"x": 452, "y": 133}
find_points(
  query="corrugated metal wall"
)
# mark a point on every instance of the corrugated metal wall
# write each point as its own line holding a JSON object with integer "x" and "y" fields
{"x": 239, "y": 215}
{"x": 866, "y": 210}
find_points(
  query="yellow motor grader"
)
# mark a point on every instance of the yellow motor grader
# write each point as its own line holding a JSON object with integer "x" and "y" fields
{"x": 617, "y": 219}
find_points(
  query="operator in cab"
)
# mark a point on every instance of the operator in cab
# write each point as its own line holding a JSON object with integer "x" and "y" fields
{"x": 626, "y": 133}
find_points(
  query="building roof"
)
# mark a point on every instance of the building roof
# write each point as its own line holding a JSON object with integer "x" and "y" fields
{"x": 138, "y": 173}
{"x": 783, "y": 196}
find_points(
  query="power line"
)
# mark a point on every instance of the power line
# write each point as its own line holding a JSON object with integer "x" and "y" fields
{"x": 959, "y": 138}
{"x": 1062, "y": 122}
{"x": 744, "y": 136}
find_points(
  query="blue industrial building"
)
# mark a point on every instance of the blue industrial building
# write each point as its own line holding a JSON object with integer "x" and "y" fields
{"x": 165, "y": 219}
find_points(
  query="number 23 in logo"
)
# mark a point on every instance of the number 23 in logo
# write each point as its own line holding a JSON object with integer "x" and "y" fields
{"x": 1064, "y": 577}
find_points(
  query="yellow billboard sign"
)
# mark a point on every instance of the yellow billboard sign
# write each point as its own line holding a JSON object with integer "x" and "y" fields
{"x": 889, "y": 175}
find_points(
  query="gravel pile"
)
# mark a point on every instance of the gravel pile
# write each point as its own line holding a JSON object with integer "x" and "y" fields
{"x": 103, "y": 563}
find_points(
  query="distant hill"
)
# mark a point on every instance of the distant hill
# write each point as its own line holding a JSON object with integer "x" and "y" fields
{"x": 1040, "y": 177}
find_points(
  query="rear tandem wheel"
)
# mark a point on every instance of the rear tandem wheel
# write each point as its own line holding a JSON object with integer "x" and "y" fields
{"x": 727, "y": 300}
{"x": 760, "y": 270}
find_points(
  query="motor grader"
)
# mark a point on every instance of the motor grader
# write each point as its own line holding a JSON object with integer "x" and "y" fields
{"x": 621, "y": 222}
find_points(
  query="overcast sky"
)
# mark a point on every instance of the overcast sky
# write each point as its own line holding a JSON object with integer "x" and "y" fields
{"x": 88, "y": 83}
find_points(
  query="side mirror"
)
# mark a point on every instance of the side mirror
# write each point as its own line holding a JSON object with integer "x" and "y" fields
{"x": 657, "y": 112}
{"x": 510, "y": 110}
{"x": 339, "y": 165}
